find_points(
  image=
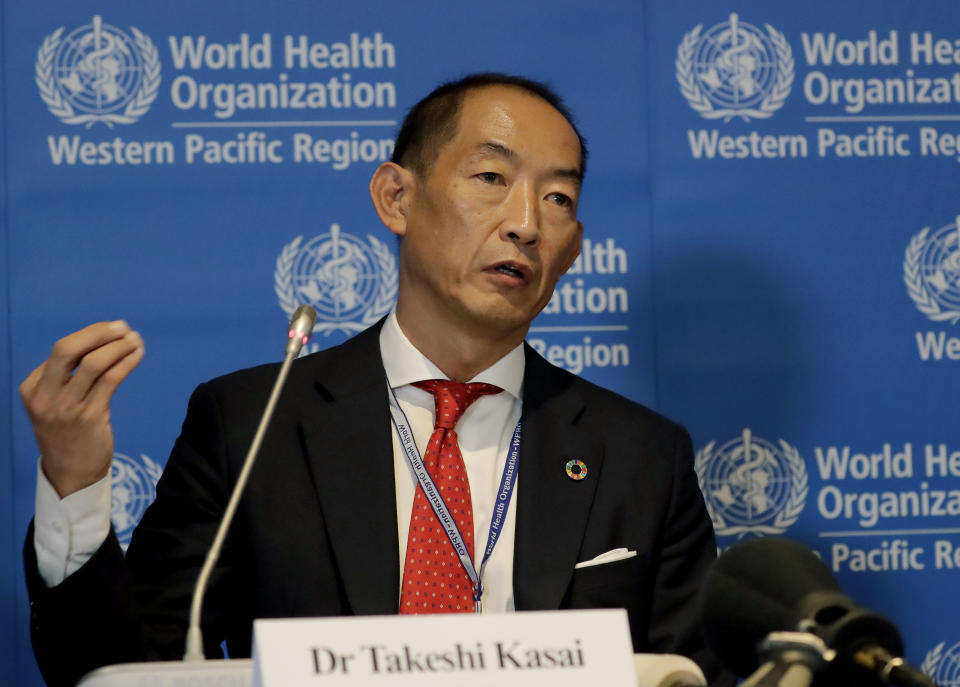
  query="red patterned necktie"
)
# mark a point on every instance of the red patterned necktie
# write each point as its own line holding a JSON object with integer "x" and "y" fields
{"x": 434, "y": 580}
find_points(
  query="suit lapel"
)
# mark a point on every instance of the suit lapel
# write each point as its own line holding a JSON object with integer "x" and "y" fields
{"x": 552, "y": 509}
{"x": 349, "y": 450}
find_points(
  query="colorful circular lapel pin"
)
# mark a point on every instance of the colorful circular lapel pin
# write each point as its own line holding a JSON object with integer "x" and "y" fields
{"x": 576, "y": 469}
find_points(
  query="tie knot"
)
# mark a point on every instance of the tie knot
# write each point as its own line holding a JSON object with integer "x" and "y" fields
{"x": 453, "y": 398}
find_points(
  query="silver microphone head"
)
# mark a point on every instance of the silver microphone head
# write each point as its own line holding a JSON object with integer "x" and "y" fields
{"x": 301, "y": 327}
{"x": 667, "y": 670}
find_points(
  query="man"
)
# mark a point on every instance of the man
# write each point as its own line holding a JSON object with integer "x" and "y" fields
{"x": 483, "y": 193}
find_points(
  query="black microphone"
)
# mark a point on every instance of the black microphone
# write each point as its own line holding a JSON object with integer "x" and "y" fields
{"x": 769, "y": 585}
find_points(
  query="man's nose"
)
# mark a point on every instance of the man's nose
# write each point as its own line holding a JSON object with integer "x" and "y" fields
{"x": 522, "y": 219}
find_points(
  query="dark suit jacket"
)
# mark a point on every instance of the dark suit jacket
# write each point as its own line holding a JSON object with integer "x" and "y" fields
{"x": 316, "y": 531}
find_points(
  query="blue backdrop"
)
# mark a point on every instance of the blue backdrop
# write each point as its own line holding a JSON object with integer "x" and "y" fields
{"x": 771, "y": 252}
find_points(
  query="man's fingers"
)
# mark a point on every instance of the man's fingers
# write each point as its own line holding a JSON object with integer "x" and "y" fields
{"x": 69, "y": 350}
{"x": 108, "y": 382}
{"x": 30, "y": 383}
{"x": 99, "y": 363}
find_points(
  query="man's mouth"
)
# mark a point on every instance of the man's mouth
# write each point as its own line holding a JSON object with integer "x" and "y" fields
{"x": 513, "y": 270}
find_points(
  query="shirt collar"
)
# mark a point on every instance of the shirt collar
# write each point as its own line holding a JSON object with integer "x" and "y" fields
{"x": 405, "y": 364}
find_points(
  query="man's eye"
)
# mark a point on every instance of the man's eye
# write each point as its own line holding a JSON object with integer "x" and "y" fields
{"x": 489, "y": 177}
{"x": 561, "y": 199}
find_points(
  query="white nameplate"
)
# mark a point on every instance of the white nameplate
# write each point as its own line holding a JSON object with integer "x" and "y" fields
{"x": 548, "y": 648}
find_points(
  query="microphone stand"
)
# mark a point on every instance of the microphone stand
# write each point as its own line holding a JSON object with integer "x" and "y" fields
{"x": 301, "y": 326}
{"x": 791, "y": 659}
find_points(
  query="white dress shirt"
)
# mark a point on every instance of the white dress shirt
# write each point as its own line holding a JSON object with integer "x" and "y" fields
{"x": 67, "y": 532}
{"x": 485, "y": 431}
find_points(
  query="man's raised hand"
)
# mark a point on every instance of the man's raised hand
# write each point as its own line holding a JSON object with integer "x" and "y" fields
{"x": 68, "y": 400}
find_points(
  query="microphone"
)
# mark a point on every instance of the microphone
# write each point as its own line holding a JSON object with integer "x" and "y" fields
{"x": 301, "y": 326}
{"x": 771, "y": 585}
{"x": 667, "y": 670}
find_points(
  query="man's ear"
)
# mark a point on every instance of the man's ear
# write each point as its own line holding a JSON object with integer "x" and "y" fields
{"x": 390, "y": 189}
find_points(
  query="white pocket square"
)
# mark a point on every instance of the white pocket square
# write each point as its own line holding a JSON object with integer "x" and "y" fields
{"x": 611, "y": 556}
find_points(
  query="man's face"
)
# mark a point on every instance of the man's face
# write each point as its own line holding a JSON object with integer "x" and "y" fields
{"x": 494, "y": 224}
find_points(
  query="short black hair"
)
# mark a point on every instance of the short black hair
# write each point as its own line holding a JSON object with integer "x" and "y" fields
{"x": 432, "y": 122}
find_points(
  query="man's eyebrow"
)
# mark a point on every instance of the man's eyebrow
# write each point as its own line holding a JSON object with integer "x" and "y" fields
{"x": 496, "y": 149}
{"x": 572, "y": 173}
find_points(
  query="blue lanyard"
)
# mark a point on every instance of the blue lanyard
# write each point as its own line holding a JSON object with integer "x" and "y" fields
{"x": 447, "y": 521}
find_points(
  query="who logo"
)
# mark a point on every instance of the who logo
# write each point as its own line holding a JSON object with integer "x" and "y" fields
{"x": 752, "y": 486}
{"x": 943, "y": 666}
{"x": 734, "y": 69}
{"x": 133, "y": 488}
{"x": 98, "y": 73}
{"x": 350, "y": 283}
{"x": 931, "y": 272}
